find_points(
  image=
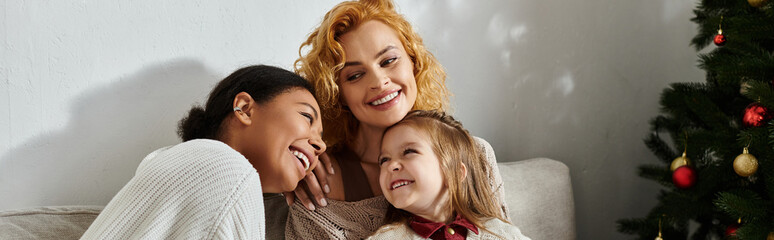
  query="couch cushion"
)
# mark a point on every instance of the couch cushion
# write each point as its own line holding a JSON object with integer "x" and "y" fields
{"x": 539, "y": 194}
{"x": 62, "y": 222}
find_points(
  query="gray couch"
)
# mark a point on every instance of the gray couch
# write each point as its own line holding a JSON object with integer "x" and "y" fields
{"x": 538, "y": 193}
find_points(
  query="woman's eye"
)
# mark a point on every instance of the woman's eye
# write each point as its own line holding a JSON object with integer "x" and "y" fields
{"x": 354, "y": 76}
{"x": 388, "y": 61}
{"x": 383, "y": 160}
{"x": 308, "y": 116}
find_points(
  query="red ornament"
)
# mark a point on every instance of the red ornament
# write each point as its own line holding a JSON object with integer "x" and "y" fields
{"x": 755, "y": 115}
{"x": 720, "y": 39}
{"x": 684, "y": 177}
{"x": 731, "y": 229}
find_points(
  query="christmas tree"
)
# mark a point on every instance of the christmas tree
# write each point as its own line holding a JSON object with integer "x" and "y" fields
{"x": 718, "y": 175}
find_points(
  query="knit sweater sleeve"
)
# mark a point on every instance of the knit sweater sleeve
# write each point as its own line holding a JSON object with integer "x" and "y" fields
{"x": 244, "y": 219}
{"x": 493, "y": 173}
{"x": 200, "y": 189}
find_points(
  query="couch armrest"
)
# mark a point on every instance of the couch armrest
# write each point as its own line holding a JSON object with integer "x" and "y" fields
{"x": 539, "y": 194}
{"x": 61, "y": 222}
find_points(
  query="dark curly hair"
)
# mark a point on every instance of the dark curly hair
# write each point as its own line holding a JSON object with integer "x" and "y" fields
{"x": 262, "y": 82}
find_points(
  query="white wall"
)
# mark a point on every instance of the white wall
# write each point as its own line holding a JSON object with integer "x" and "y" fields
{"x": 89, "y": 87}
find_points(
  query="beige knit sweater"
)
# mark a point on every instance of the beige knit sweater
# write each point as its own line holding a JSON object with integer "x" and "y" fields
{"x": 199, "y": 189}
{"x": 357, "y": 220}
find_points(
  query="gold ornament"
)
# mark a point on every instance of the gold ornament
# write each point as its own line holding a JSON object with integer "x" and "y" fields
{"x": 757, "y": 3}
{"x": 679, "y": 162}
{"x": 771, "y": 236}
{"x": 745, "y": 164}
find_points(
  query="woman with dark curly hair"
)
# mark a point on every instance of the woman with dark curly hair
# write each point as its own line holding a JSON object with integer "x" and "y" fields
{"x": 260, "y": 132}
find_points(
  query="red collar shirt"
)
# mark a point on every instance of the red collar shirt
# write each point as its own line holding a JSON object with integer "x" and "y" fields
{"x": 456, "y": 230}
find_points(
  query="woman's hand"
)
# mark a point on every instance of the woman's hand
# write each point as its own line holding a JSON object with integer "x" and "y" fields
{"x": 315, "y": 183}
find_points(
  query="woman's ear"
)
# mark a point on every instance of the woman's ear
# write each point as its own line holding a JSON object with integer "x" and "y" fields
{"x": 244, "y": 105}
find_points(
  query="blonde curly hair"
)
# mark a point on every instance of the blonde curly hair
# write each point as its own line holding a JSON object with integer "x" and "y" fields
{"x": 325, "y": 59}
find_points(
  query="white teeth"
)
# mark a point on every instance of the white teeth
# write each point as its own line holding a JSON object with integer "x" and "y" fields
{"x": 301, "y": 157}
{"x": 385, "y": 99}
{"x": 400, "y": 184}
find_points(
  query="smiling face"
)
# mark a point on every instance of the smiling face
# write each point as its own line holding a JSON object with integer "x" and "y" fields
{"x": 284, "y": 139}
{"x": 377, "y": 82}
{"x": 410, "y": 175}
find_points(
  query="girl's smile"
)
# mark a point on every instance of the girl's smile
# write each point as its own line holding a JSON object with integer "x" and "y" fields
{"x": 400, "y": 183}
{"x": 410, "y": 173}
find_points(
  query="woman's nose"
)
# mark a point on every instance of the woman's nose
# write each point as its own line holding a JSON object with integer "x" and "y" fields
{"x": 318, "y": 144}
{"x": 380, "y": 80}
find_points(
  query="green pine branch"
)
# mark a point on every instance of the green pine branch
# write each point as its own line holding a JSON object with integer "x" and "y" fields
{"x": 744, "y": 204}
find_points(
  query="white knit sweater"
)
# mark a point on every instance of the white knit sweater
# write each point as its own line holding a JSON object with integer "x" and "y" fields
{"x": 496, "y": 230}
{"x": 199, "y": 189}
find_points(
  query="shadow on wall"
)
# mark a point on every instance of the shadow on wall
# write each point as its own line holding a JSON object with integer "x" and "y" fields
{"x": 575, "y": 81}
{"x": 111, "y": 130}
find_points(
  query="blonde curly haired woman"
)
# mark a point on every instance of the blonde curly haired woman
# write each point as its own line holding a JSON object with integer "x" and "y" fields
{"x": 369, "y": 69}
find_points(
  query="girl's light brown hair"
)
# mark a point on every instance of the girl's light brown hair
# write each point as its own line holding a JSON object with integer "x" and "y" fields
{"x": 453, "y": 145}
{"x": 325, "y": 59}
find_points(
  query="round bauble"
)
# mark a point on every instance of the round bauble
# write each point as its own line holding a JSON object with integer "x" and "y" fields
{"x": 719, "y": 40}
{"x": 745, "y": 164}
{"x": 731, "y": 230}
{"x": 755, "y": 115}
{"x": 684, "y": 177}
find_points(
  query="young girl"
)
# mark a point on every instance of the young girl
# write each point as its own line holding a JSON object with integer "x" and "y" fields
{"x": 260, "y": 132}
{"x": 434, "y": 176}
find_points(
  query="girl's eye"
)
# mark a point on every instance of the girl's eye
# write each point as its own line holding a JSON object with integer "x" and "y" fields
{"x": 408, "y": 151}
{"x": 354, "y": 76}
{"x": 388, "y": 61}
{"x": 383, "y": 160}
{"x": 308, "y": 116}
